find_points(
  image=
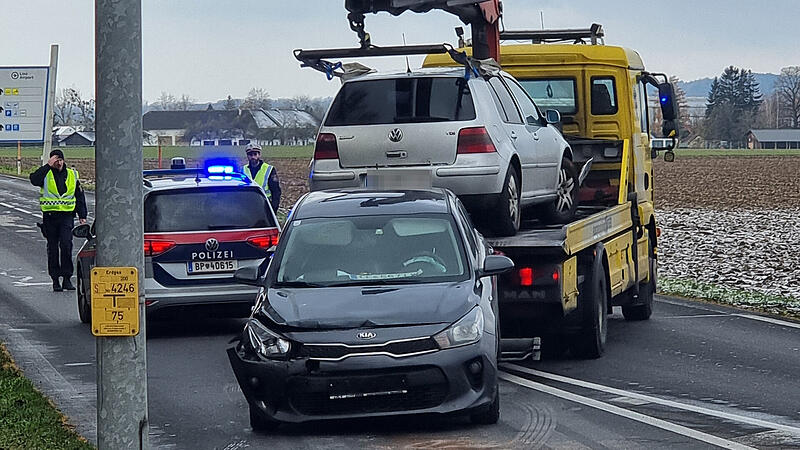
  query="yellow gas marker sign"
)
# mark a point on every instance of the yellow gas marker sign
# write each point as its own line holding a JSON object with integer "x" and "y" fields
{"x": 115, "y": 301}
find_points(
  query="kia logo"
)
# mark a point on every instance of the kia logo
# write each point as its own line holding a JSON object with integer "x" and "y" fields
{"x": 212, "y": 245}
{"x": 396, "y": 135}
{"x": 366, "y": 335}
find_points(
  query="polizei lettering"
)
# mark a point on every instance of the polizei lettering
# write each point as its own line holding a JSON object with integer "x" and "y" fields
{"x": 207, "y": 256}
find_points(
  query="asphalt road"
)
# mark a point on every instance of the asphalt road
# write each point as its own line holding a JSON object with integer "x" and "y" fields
{"x": 695, "y": 376}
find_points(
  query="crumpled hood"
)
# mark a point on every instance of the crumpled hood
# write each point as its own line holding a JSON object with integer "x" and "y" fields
{"x": 360, "y": 306}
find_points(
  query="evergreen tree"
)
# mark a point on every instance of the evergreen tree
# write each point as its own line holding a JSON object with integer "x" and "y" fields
{"x": 732, "y": 105}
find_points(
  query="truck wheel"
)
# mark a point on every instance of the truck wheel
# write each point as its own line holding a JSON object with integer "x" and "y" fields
{"x": 593, "y": 303}
{"x": 644, "y": 307}
{"x": 562, "y": 209}
{"x": 84, "y": 308}
{"x": 507, "y": 212}
{"x": 260, "y": 423}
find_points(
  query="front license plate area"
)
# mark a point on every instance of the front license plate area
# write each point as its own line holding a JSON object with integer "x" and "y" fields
{"x": 342, "y": 389}
{"x": 197, "y": 267}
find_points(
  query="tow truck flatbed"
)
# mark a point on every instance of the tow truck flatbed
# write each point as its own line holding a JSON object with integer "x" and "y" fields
{"x": 592, "y": 225}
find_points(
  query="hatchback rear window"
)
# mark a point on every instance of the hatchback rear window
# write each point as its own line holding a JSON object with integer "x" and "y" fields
{"x": 206, "y": 210}
{"x": 402, "y": 100}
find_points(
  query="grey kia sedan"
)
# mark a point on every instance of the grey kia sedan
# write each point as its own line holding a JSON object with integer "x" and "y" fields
{"x": 376, "y": 303}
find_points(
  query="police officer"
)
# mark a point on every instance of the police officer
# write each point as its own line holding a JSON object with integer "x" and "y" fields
{"x": 263, "y": 175}
{"x": 60, "y": 198}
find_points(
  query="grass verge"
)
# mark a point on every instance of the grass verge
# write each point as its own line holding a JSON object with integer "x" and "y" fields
{"x": 28, "y": 420}
{"x": 741, "y": 298}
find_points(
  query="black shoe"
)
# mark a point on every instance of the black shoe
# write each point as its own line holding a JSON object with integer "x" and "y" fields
{"x": 67, "y": 284}
{"x": 57, "y": 286}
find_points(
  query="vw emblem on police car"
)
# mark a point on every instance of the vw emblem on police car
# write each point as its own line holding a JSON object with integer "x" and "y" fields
{"x": 366, "y": 335}
{"x": 396, "y": 135}
{"x": 212, "y": 245}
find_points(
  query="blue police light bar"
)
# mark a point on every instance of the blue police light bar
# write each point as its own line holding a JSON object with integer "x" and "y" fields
{"x": 664, "y": 99}
{"x": 220, "y": 169}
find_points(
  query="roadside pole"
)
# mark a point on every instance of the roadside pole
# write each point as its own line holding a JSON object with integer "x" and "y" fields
{"x": 19, "y": 158}
{"x": 51, "y": 96}
{"x": 122, "y": 421}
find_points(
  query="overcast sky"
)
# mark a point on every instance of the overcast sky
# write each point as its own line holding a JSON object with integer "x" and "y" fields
{"x": 209, "y": 49}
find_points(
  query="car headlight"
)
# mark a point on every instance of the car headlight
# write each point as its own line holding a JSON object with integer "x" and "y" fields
{"x": 267, "y": 344}
{"x": 467, "y": 330}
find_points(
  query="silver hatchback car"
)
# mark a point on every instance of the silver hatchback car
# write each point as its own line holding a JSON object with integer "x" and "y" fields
{"x": 481, "y": 137}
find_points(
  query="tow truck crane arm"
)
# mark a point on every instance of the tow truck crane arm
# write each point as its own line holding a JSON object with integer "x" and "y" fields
{"x": 482, "y": 16}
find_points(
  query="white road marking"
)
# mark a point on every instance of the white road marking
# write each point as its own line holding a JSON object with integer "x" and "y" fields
{"x": 26, "y": 231}
{"x": 78, "y": 364}
{"x": 20, "y": 209}
{"x": 695, "y": 316}
{"x": 744, "y": 315}
{"x": 770, "y": 320}
{"x": 657, "y": 400}
{"x": 633, "y": 415}
{"x": 21, "y": 284}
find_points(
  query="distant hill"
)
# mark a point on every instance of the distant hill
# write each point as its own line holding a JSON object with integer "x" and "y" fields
{"x": 700, "y": 88}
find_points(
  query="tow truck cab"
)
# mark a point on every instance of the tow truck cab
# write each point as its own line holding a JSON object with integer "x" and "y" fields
{"x": 567, "y": 278}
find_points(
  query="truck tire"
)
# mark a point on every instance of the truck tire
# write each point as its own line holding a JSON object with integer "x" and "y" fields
{"x": 590, "y": 342}
{"x": 84, "y": 308}
{"x": 563, "y": 208}
{"x": 506, "y": 217}
{"x": 643, "y": 308}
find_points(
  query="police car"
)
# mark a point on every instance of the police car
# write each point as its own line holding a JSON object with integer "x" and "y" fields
{"x": 200, "y": 225}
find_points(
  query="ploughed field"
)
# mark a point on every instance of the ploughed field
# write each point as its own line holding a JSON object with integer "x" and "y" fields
{"x": 731, "y": 222}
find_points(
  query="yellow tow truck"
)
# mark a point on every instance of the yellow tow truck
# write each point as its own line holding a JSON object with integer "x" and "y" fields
{"x": 568, "y": 277}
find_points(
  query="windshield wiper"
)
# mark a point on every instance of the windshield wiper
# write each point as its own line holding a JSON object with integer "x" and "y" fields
{"x": 378, "y": 282}
{"x": 226, "y": 227}
{"x": 420, "y": 119}
{"x": 300, "y": 284}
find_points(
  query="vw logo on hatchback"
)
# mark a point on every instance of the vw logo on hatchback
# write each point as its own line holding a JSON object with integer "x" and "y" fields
{"x": 366, "y": 335}
{"x": 212, "y": 245}
{"x": 396, "y": 135}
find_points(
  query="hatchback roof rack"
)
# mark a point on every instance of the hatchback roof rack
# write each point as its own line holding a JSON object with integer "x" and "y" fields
{"x": 576, "y": 35}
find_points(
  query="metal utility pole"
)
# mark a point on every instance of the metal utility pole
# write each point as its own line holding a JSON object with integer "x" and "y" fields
{"x": 122, "y": 421}
{"x": 51, "y": 97}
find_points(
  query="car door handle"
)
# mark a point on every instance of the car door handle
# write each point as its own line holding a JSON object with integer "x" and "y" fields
{"x": 513, "y": 134}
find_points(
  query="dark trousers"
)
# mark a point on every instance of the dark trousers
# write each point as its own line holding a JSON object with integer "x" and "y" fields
{"x": 58, "y": 230}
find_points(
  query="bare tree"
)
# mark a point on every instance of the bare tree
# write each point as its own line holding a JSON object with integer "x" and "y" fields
{"x": 184, "y": 103}
{"x": 166, "y": 102}
{"x": 257, "y": 98}
{"x": 70, "y": 109}
{"x": 787, "y": 89}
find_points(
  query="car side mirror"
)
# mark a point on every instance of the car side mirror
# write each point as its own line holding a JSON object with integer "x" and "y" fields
{"x": 553, "y": 116}
{"x": 82, "y": 231}
{"x": 247, "y": 275}
{"x": 496, "y": 265}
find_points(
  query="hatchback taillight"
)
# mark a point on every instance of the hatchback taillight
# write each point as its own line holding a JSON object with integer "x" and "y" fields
{"x": 475, "y": 140}
{"x": 155, "y": 248}
{"x": 326, "y": 147}
{"x": 264, "y": 242}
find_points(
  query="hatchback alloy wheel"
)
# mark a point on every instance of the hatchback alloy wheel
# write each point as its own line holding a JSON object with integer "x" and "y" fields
{"x": 566, "y": 186}
{"x": 513, "y": 200}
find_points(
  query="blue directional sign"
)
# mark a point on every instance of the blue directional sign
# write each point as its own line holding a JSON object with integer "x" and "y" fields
{"x": 23, "y": 103}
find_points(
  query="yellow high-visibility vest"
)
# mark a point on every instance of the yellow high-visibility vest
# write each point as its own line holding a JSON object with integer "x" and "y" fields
{"x": 49, "y": 198}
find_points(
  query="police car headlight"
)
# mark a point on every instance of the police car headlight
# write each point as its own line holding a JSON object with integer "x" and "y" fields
{"x": 467, "y": 330}
{"x": 267, "y": 344}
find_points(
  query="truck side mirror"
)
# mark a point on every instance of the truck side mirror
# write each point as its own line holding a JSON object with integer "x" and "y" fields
{"x": 666, "y": 98}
